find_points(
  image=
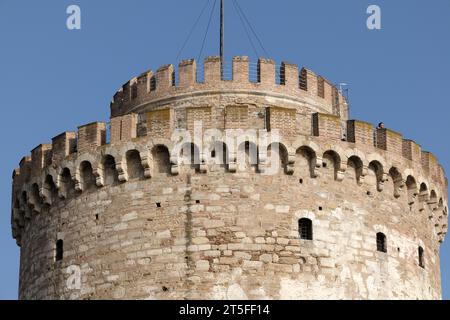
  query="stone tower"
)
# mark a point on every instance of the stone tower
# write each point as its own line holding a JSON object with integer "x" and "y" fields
{"x": 121, "y": 211}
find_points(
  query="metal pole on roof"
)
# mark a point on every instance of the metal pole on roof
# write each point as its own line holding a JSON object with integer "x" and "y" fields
{"x": 221, "y": 36}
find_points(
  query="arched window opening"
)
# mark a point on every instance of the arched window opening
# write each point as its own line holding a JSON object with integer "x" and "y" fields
{"x": 305, "y": 162}
{"x": 87, "y": 175}
{"x": 381, "y": 242}
{"x": 433, "y": 201}
{"x": 375, "y": 176}
{"x": 161, "y": 160}
{"x": 247, "y": 158}
{"x": 305, "y": 229}
{"x": 423, "y": 193}
{"x": 50, "y": 190}
{"x": 330, "y": 164}
{"x": 23, "y": 201}
{"x": 411, "y": 185}
{"x": 110, "y": 174}
{"x": 35, "y": 199}
{"x": 219, "y": 155}
{"x": 134, "y": 165}
{"x": 277, "y": 157}
{"x": 355, "y": 167}
{"x": 50, "y": 184}
{"x": 190, "y": 155}
{"x": 397, "y": 181}
{"x": 67, "y": 184}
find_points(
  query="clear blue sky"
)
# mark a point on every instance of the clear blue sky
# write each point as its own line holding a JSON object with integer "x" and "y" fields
{"x": 53, "y": 80}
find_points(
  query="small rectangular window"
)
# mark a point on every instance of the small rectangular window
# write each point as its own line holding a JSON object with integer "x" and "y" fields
{"x": 421, "y": 258}
{"x": 305, "y": 229}
{"x": 381, "y": 242}
{"x": 321, "y": 87}
{"x": 59, "y": 250}
{"x": 303, "y": 79}
{"x": 134, "y": 91}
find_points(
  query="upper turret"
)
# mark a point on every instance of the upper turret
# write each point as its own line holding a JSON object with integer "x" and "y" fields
{"x": 285, "y": 81}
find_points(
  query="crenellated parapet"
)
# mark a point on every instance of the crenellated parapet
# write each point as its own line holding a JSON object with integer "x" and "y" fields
{"x": 285, "y": 81}
{"x": 84, "y": 161}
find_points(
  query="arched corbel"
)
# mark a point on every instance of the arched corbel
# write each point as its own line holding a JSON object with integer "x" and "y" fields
{"x": 33, "y": 203}
{"x": 290, "y": 163}
{"x": 203, "y": 165}
{"x": 383, "y": 179}
{"x": 174, "y": 168}
{"x": 316, "y": 172}
{"x": 363, "y": 175}
{"x": 59, "y": 191}
{"x": 45, "y": 194}
{"x": 424, "y": 197}
{"x": 98, "y": 173}
{"x": 232, "y": 166}
{"x": 262, "y": 159}
{"x": 77, "y": 180}
{"x": 433, "y": 203}
{"x": 23, "y": 203}
{"x": 399, "y": 184}
{"x": 340, "y": 174}
{"x": 122, "y": 171}
{"x": 145, "y": 160}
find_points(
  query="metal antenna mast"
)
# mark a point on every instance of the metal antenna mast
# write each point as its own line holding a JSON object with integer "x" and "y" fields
{"x": 221, "y": 37}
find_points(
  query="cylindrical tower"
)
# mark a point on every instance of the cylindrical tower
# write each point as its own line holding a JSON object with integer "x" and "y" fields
{"x": 278, "y": 195}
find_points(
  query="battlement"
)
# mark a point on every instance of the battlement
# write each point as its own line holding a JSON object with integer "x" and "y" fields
{"x": 383, "y": 151}
{"x": 159, "y": 124}
{"x": 264, "y": 77}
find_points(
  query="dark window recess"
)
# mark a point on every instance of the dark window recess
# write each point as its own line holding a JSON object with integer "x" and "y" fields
{"x": 320, "y": 208}
{"x": 321, "y": 87}
{"x": 381, "y": 242}
{"x": 96, "y": 217}
{"x": 421, "y": 258}
{"x": 301, "y": 181}
{"x": 59, "y": 250}
{"x": 197, "y": 201}
{"x": 134, "y": 91}
{"x": 305, "y": 229}
{"x": 153, "y": 83}
{"x": 304, "y": 80}
{"x": 158, "y": 204}
{"x": 213, "y": 154}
